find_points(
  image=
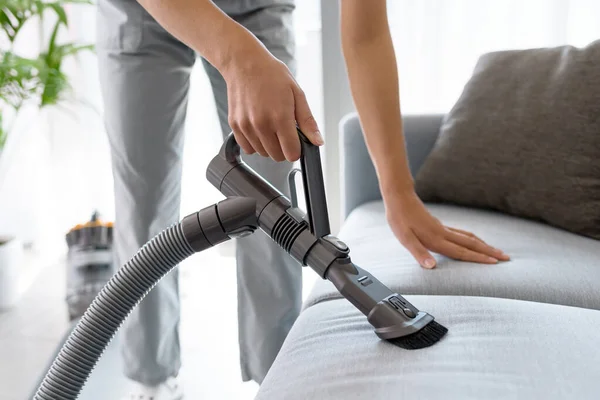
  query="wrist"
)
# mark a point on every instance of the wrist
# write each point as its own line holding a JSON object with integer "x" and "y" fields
{"x": 393, "y": 173}
{"x": 243, "y": 55}
{"x": 397, "y": 190}
{"x": 395, "y": 182}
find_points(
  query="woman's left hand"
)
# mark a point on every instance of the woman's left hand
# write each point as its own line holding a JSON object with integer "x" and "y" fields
{"x": 420, "y": 233}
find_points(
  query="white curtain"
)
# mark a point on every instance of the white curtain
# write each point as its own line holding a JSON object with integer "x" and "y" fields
{"x": 438, "y": 42}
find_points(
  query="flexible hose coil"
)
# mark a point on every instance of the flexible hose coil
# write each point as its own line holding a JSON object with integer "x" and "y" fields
{"x": 286, "y": 230}
{"x": 118, "y": 298}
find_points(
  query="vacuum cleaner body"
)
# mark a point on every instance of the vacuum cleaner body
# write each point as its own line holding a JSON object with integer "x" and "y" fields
{"x": 251, "y": 203}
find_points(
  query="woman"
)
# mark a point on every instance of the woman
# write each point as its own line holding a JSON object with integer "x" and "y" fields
{"x": 146, "y": 50}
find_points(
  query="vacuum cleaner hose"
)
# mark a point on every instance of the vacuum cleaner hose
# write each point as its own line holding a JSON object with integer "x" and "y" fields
{"x": 199, "y": 231}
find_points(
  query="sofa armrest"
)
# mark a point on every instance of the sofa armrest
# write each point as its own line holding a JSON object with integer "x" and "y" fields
{"x": 358, "y": 178}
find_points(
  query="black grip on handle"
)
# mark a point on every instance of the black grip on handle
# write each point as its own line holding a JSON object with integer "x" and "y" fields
{"x": 314, "y": 188}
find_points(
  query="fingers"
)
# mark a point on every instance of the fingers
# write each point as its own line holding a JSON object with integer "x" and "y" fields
{"x": 279, "y": 143}
{"x": 289, "y": 140}
{"x": 247, "y": 136}
{"x": 457, "y": 252}
{"x": 271, "y": 144}
{"x": 305, "y": 119}
{"x": 465, "y": 233}
{"x": 418, "y": 251}
{"x": 273, "y": 136}
{"x": 254, "y": 141}
{"x": 472, "y": 242}
{"x": 241, "y": 140}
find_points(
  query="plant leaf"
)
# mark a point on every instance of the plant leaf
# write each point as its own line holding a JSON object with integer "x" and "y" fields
{"x": 71, "y": 49}
{"x": 55, "y": 83}
{"x": 40, "y": 78}
{"x": 60, "y": 12}
{"x": 13, "y": 15}
{"x": 52, "y": 43}
{"x": 6, "y": 22}
{"x": 19, "y": 78}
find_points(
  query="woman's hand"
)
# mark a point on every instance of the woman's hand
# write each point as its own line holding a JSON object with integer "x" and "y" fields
{"x": 265, "y": 102}
{"x": 420, "y": 232}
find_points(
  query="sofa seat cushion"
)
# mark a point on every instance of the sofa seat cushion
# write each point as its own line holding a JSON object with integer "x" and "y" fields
{"x": 495, "y": 349}
{"x": 548, "y": 264}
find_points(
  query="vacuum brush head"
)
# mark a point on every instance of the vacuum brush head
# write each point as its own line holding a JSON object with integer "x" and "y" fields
{"x": 402, "y": 324}
{"x": 429, "y": 335}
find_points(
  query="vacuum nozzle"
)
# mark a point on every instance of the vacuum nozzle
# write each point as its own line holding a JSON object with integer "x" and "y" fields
{"x": 393, "y": 317}
{"x": 400, "y": 323}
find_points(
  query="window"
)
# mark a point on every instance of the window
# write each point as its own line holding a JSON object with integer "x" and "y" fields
{"x": 438, "y": 42}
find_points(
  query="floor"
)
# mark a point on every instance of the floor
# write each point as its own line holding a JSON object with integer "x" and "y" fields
{"x": 30, "y": 332}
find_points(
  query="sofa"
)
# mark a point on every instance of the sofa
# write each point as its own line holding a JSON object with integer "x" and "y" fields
{"x": 523, "y": 329}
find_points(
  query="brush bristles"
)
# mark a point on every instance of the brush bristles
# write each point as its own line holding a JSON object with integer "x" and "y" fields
{"x": 429, "y": 335}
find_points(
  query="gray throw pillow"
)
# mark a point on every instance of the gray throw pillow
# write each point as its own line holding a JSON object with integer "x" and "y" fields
{"x": 524, "y": 139}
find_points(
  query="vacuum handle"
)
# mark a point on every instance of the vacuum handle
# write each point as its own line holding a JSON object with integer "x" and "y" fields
{"x": 314, "y": 188}
{"x": 312, "y": 179}
{"x": 230, "y": 151}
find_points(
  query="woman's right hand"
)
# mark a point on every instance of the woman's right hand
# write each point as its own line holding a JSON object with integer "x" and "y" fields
{"x": 265, "y": 103}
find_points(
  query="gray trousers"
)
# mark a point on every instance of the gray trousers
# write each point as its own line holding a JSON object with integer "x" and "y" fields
{"x": 145, "y": 77}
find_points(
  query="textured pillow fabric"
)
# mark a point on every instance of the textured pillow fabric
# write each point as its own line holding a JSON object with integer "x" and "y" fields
{"x": 524, "y": 138}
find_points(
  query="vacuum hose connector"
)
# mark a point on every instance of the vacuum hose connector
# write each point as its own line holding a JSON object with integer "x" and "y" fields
{"x": 233, "y": 217}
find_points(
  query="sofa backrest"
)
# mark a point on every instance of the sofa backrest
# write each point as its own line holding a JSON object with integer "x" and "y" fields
{"x": 358, "y": 181}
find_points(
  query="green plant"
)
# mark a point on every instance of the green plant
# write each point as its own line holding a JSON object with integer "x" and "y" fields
{"x": 39, "y": 79}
